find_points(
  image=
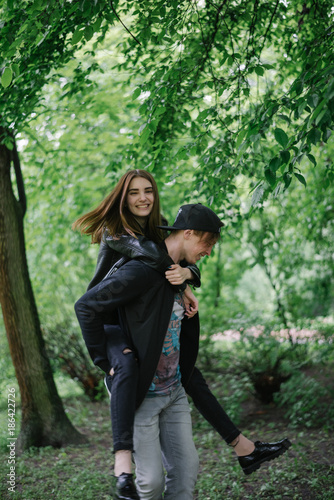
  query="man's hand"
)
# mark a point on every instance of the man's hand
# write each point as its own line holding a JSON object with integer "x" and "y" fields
{"x": 190, "y": 302}
{"x": 177, "y": 275}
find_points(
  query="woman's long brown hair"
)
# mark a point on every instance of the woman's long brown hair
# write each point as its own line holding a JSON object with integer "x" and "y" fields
{"x": 113, "y": 215}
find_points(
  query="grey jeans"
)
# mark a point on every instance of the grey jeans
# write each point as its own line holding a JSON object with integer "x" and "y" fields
{"x": 163, "y": 442}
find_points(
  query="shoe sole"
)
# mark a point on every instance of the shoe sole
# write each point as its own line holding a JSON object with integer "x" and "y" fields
{"x": 252, "y": 468}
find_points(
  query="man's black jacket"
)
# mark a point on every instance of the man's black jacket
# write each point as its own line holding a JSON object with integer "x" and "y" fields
{"x": 144, "y": 300}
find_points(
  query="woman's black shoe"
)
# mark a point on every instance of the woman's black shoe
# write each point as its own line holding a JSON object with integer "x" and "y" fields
{"x": 263, "y": 453}
{"x": 125, "y": 488}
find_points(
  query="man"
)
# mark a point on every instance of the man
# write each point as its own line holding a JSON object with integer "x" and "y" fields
{"x": 146, "y": 301}
{"x": 148, "y": 308}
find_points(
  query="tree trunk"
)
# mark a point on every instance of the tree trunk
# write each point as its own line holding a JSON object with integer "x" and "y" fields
{"x": 44, "y": 421}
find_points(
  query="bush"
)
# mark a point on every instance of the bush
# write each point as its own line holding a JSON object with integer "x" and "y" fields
{"x": 68, "y": 352}
{"x": 308, "y": 402}
{"x": 268, "y": 360}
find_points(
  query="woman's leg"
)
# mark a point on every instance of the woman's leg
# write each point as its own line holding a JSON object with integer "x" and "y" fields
{"x": 209, "y": 407}
{"x": 212, "y": 411}
{"x": 250, "y": 455}
{"x": 122, "y": 386}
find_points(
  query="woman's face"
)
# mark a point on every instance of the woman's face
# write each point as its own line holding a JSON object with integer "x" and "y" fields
{"x": 140, "y": 197}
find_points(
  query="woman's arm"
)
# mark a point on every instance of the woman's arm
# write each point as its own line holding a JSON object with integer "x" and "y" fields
{"x": 149, "y": 252}
{"x": 177, "y": 274}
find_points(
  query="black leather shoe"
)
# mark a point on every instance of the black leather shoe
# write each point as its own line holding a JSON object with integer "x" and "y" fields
{"x": 125, "y": 488}
{"x": 263, "y": 453}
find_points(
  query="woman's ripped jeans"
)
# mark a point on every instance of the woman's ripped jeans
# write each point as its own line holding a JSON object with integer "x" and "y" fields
{"x": 122, "y": 385}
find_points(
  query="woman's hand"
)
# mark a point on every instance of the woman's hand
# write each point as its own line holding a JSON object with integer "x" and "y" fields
{"x": 177, "y": 275}
{"x": 190, "y": 302}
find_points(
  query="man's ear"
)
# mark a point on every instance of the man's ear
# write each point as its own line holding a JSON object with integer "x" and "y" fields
{"x": 187, "y": 234}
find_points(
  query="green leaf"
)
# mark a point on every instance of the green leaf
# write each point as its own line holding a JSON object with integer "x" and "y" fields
{"x": 316, "y": 112}
{"x": 154, "y": 124}
{"x": 270, "y": 176}
{"x": 141, "y": 128}
{"x": 144, "y": 135}
{"x": 281, "y": 137}
{"x": 312, "y": 159}
{"x": 277, "y": 189}
{"x": 160, "y": 111}
{"x": 297, "y": 87}
{"x": 321, "y": 116}
{"x": 259, "y": 70}
{"x": 182, "y": 154}
{"x": 6, "y": 78}
{"x": 16, "y": 69}
{"x": 9, "y": 143}
{"x": 326, "y": 134}
{"x": 275, "y": 164}
{"x": 257, "y": 195}
{"x": 312, "y": 100}
{"x": 143, "y": 108}
{"x": 301, "y": 107}
{"x": 314, "y": 136}
{"x": 23, "y": 28}
{"x": 285, "y": 118}
{"x": 39, "y": 39}
{"x": 89, "y": 32}
{"x": 202, "y": 115}
{"x": 287, "y": 179}
{"x": 301, "y": 178}
{"x": 136, "y": 93}
{"x": 97, "y": 24}
{"x": 77, "y": 35}
{"x": 240, "y": 137}
{"x": 285, "y": 155}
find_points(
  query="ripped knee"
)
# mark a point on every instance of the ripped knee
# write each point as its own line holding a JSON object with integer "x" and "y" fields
{"x": 126, "y": 350}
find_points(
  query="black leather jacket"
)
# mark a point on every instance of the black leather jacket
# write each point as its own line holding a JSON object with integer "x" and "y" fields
{"x": 112, "y": 249}
{"x": 143, "y": 298}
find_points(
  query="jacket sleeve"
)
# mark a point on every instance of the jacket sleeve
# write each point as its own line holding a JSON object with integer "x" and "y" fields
{"x": 140, "y": 248}
{"x": 105, "y": 260}
{"x": 196, "y": 280}
{"x": 98, "y": 304}
{"x": 144, "y": 250}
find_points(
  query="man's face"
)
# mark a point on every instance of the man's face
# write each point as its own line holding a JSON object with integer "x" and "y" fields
{"x": 196, "y": 247}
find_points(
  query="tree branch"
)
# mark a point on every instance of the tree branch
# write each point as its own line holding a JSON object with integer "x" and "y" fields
{"x": 114, "y": 11}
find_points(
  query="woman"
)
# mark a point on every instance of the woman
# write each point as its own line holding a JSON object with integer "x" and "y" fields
{"x": 126, "y": 223}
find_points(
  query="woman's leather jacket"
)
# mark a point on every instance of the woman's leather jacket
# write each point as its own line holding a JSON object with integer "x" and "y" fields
{"x": 112, "y": 249}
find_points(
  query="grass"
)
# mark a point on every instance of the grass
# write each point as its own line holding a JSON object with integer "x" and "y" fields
{"x": 82, "y": 472}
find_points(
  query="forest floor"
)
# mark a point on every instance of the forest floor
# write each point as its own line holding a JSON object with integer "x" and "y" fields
{"x": 305, "y": 471}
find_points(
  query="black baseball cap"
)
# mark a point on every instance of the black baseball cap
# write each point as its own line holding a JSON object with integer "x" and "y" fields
{"x": 198, "y": 217}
